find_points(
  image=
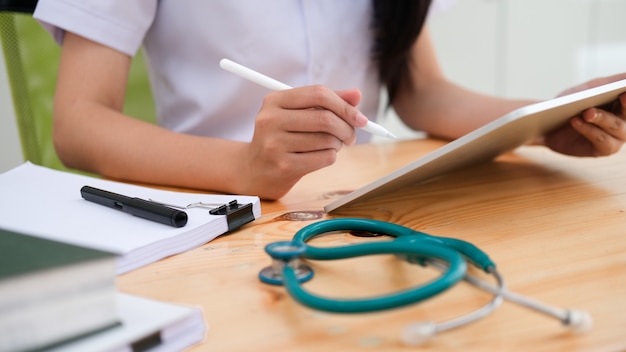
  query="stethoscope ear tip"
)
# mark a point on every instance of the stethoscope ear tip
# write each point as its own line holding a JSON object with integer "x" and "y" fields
{"x": 417, "y": 334}
{"x": 578, "y": 321}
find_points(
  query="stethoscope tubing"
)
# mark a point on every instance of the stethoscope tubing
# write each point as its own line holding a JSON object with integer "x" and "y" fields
{"x": 455, "y": 271}
{"x": 471, "y": 252}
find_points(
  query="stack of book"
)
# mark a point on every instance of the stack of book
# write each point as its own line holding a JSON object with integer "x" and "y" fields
{"x": 52, "y": 292}
{"x": 61, "y": 297}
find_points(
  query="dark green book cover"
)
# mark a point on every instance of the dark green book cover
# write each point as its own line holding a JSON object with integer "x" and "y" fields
{"x": 21, "y": 254}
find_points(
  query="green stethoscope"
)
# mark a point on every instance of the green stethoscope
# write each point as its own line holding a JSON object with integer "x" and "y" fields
{"x": 447, "y": 254}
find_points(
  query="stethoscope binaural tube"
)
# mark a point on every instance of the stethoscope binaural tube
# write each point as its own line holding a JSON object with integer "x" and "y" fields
{"x": 418, "y": 333}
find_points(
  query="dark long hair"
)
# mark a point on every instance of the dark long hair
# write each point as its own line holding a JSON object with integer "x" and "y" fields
{"x": 396, "y": 25}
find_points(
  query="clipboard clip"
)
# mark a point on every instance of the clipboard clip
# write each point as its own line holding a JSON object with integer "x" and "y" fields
{"x": 237, "y": 214}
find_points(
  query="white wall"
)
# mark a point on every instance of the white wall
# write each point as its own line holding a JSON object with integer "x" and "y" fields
{"x": 531, "y": 49}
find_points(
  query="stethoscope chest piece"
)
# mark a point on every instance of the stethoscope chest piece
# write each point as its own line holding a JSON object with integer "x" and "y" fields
{"x": 285, "y": 253}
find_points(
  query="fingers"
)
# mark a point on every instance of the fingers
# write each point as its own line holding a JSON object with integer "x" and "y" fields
{"x": 304, "y": 163}
{"x": 351, "y": 96}
{"x": 605, "y": 130}
{"x": 594, "y": 83}
{"x": 297, "y": 142}
{"x": 342, "y": 103}
{"x": 608, "y": 79}
{"x": 319, "y": 121}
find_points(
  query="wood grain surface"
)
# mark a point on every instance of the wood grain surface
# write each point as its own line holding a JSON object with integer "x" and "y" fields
{"x": 555, "y": 226}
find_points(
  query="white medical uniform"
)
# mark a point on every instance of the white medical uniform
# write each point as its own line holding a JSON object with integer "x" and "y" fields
{"x": 299, "y": 42}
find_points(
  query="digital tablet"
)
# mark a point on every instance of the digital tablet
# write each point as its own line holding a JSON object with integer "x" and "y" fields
{"x": 488, "y": 141}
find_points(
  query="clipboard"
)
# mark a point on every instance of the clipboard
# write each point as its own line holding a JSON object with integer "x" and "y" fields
{"x": 485, "y": 143}
{"x": 63, "y": 215}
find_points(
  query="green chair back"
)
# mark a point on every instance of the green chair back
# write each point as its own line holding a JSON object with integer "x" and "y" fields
{"x": 32, "y": 58}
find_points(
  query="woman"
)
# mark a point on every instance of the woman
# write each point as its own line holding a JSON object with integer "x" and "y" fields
{"x": 219, "y": 132}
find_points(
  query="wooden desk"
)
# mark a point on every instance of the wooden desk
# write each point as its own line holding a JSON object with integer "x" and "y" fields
{"x": 555, "y": 225}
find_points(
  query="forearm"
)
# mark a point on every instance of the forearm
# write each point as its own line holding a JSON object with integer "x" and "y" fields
{"x": 116, "y": 146}
{"x": 443, "y": 109}
{"x": 92, "y": 134}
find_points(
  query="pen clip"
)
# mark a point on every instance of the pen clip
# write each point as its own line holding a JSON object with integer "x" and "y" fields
{"x": 188, "y": 206}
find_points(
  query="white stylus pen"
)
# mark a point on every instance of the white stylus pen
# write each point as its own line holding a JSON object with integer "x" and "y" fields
{"x": 273, "y": 84}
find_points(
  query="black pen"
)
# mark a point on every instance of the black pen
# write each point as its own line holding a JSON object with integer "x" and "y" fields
{"x": 135, "y": 206}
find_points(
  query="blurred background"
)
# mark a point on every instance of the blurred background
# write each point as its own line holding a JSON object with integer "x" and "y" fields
{"x": 512, "y": 48}
{"x": 528, "y": 49}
